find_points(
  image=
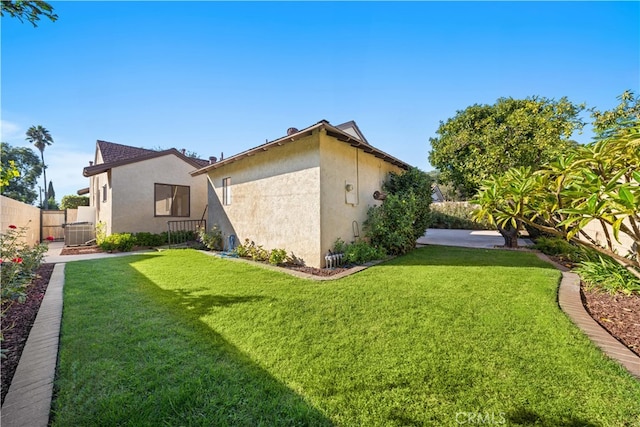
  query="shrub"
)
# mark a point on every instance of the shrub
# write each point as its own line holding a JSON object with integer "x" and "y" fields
{"x": 404, "y": 215}
{"x": 557, "y": 246}
{"x": 359, "y": 252}
{"x": 390, "y": 226}
{"x": 122, "y": 242}
{"x": 456, "y": 215}
{"x": 101, "y": 232}
{"x": 277, "y": 256}
{"x": 213, "y": 240}
{"x": 72, "y": 201}
{"x": 609, "y": 276}
{"x": 150, "y": 239}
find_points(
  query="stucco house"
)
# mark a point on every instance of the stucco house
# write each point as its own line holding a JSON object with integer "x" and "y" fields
{"x": 299, "y": 192}
{"x": 138, "y": 190}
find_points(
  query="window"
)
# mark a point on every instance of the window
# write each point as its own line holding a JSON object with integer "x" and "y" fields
{"x": 226, "y": 191}
{"x": 171, "y": 200}
{"x": 104, "y": 193}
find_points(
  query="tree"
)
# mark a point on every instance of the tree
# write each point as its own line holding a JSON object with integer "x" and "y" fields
{"x": 51, "y": 194}
{"x": 40, "y": 137}
{"x": 483, "y": 140}
{"x": 607, "y": 123}
{"x": 27, "y": 10}
{"x": 22, "y": 186}
{"x": 71, "y": 201}
{"x": 598, "y": 182}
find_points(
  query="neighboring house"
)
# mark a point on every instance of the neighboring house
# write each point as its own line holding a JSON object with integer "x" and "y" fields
{"x": 138, "y": 190}
{"x": 300, "y": 192}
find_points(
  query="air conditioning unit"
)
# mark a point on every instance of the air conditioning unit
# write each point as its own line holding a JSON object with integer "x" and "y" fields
{"x": 79, "y": 233}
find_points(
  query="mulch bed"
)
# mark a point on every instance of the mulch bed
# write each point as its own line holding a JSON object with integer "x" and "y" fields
{"x": 618, "y": 314}
{"x": 21, "y": 316}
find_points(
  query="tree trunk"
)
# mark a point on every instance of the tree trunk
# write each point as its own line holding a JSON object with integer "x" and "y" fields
{"x": 510, "y": 235}
{"x": 45, "y": 203}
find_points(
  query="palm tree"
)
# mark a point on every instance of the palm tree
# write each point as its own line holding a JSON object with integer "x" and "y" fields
{"x": 40, "y": 137}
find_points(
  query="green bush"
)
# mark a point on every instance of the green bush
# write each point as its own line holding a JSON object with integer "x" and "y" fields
{"x": 358, "y": 252}
{"x": 72, "y": 201}
{"x": 213, "y": 239}
{"x": 557, "y": 246}
{"x": 390, "y": 226}
{"x": 277, "y": 256}
{"x": 150, "y": 239}
{"x": 404, "y": 215}
{"x": 607, "y": 275}
{"x": 122, "y": 242}
{"x": 456, "y": 215}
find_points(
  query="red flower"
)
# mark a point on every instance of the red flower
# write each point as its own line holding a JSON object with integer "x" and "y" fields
{"x": 17, "y": 260}
{"x": 13, "y": 226}
{"x": 50, "y": 238}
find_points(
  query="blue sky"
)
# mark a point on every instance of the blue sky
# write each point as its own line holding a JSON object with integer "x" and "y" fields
{"x": 216, "y": 77}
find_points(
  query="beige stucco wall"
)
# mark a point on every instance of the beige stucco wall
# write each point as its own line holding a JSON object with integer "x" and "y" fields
{"x": 294, "y": 197}
{"x": 595, "y": 231}
{"x": 130, "y": 200}
{"x": 342, "y": 164}
{"x": 275, "y": 199}
{"x": 102, "y": 209}
{"x": 21, "y": 215}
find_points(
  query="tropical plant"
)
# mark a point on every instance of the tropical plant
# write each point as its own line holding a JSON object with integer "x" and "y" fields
{"x": 40, "y": 137}
{"x": 599, "y": 182}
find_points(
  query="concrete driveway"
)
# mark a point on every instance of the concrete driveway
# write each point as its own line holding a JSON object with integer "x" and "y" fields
{"x": 487, "y": 239}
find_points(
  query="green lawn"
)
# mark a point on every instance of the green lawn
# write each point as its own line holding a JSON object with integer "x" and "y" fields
{"x": 438, "y": 337}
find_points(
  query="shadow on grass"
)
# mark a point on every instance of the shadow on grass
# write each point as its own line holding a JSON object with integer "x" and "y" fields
{"x": 526, "y": 417}
{"x": 171, "y": 368}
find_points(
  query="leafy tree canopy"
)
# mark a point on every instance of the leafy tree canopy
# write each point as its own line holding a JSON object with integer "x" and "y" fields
{"x": 27, "y": 10}
{"x": 608, "y": 123}
{"x": 72, "y": 201}
{"x": 28, "y": 165}
{"x": 489, "y": 139}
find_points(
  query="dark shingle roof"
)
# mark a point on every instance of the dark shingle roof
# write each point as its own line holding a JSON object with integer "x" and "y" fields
{"x": 114, "y": 155}
{"x": 112, "y": 152}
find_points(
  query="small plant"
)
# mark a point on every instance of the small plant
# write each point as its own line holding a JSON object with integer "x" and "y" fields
{"x": 277, "y": 256}
{"x": 19, "y": 263}
{"x": 213, "y": 240}
{"x": 243, "y": 249}
{"x": 609, "y": 276}
{"x": 101, "y": 232}
{"x": 293, "y": 260}
{"x": 359, "y": 252}
{"x": 122, "y": 242}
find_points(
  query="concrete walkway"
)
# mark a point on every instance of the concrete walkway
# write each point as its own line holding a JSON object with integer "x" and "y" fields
{"x": 28, "y": 402}
{"x": 486, "y": 239}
